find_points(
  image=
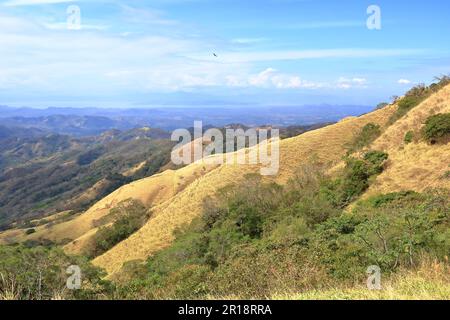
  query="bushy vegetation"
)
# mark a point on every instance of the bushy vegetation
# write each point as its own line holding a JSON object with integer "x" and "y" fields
{"x": 382, "y": 105}
{"x": 259, "y": 239}
{"x": 355, "y": 178}
{"x": 256, "y": 240}
{"x": 30, "y": 231}
{"x": 409, "y": 137}
{"x": 437, "y": 128}
{"x": 39, "y": 273}
{"x": 417, "y": 95}
{"x": 128, "y": 217}
{"x": 369, "y": 133}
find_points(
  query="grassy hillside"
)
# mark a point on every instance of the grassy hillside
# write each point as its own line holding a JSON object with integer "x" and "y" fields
{"x": 327, "y": 145}
{"x": 134, "y": 154}
{"x": 367, "y": 191}
{"x": 416, "y": 165}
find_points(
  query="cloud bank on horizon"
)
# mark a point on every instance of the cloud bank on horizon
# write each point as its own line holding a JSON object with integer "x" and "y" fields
{"x": 131, "y": 53}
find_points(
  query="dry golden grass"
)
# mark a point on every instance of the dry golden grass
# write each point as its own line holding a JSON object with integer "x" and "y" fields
{"x": 431, "y": 281}
{"x": 18, "y": 235}
{"x": 326, "y": 144}
{"x": 133, "y": 170}
{"x": 51, "y": 218}
{"x": 418, "y": 165}
{"x": 151, "y": 191}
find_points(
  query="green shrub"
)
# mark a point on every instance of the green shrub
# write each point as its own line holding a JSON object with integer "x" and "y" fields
{"x": 437, "y": 127}
{"x": 417, "y": 95}
{"x": 188, "y": 282}
{"x": 388, "y": 199}
{"x": 368, "y": 134}
{"x": 446, "y": 175}
{"x": 376, "y": 160}
{"x": 408, "y": 103}
{"x": 256, "y": 239}
{"x": 394, "y": 233}
{"x": 30, "y": 231}
{"x": 382, "y": 105}
{"x": 130, "y": 216}
{"x": 411, "y": 100}
{"x": 39, "y": 273}
{"x": 409, "y": 137}
{"x": 355, "y": 179}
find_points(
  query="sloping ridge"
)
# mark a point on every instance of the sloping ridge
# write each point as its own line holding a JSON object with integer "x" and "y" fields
{"x": 150, "y": 191}
{"x": 417, "y": 165}
{"x": 325, "y": 144}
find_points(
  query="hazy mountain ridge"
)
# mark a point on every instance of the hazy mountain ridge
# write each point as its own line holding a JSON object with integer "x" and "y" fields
{"x": 87, "y": 121}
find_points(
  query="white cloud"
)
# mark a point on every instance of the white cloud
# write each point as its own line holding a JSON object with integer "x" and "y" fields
{"x": 404, "y": 81}
{"x": 15, "y": 3}
{"x": 348, "y": 83}
{"x": 359, "y": 80}
{"x": 271, "y": 78}
{"x": 43, "y": 58}
{"x": 263, "y": 78}
{"x": 48, "y": 59}
{"x": 13, "y": 24}
{"x": 53, "y": 59}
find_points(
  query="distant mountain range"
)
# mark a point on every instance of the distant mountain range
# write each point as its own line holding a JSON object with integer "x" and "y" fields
{"x": 92, "y": 121}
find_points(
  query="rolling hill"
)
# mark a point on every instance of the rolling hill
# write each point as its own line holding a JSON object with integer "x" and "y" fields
{"x": 415, "y": 166}
{"x": 176, "y": 197}
{"x": 79, "y": 172}
{"x": 326, "y": 144}
{"x": 367, "y": 191}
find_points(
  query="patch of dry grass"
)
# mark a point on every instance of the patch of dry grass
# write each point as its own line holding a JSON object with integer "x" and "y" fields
{"x": 431, "y": 281}
{"x": 418, "y": 165}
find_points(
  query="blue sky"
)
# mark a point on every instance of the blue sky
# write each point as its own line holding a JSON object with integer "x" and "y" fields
{"x": 269, "y": 52}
